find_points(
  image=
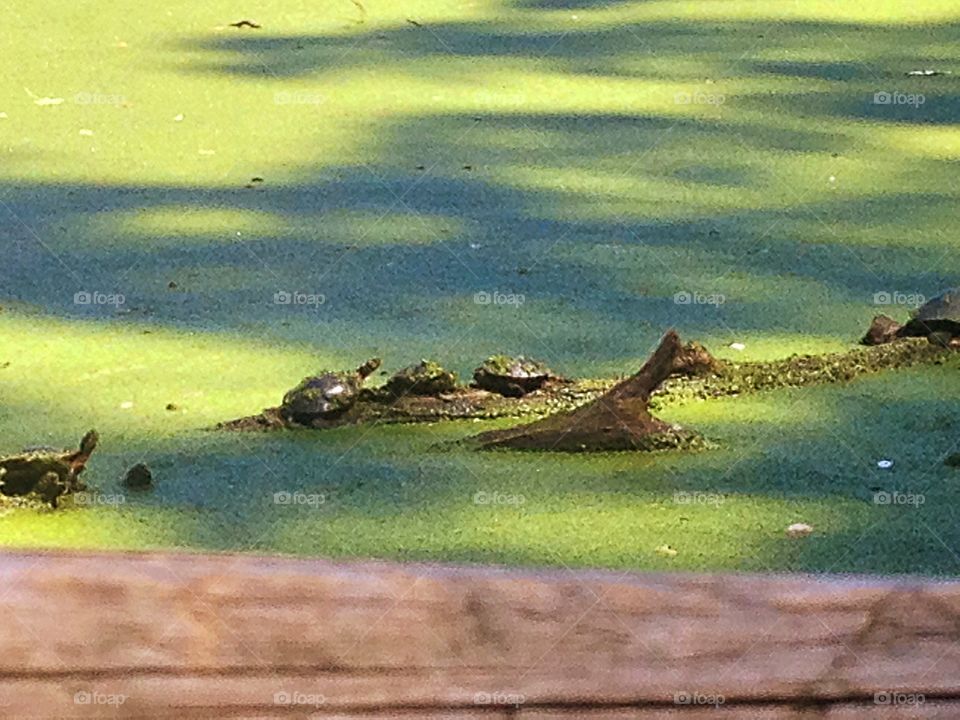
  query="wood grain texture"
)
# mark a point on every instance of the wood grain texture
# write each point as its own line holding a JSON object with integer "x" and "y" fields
{"x": 191, "y": 636}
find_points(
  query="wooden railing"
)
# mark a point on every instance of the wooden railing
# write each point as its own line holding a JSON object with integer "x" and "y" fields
{"x": 190, "y": 636}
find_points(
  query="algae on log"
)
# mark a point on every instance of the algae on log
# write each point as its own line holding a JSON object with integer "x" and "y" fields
{"x": 696, "y": 376}
{"x": 729, "y": 379}
{"x": 48, "y": 474}
{"x": 619, "y": 419}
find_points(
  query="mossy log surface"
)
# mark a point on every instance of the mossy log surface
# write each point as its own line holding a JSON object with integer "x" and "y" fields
{"x": 718, "y": 378}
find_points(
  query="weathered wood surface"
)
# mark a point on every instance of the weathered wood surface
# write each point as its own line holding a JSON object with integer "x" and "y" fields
{"x": 226, "y": 636}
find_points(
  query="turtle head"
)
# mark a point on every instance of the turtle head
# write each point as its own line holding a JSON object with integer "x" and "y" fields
{"x": 89, "y": 442}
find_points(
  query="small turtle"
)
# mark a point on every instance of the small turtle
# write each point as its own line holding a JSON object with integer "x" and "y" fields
{"x": 511, "y": 376}
{"x": 424, "y": 378}
{"x": 326, "y": 395}
{"x": 49, "y": 474}
{"x": 938, "y": 320}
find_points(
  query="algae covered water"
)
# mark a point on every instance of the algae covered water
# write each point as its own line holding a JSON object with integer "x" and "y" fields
{"x": 197, "y": 215}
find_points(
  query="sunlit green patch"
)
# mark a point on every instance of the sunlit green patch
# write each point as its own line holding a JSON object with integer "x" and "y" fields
{"x": 64, "y": 377}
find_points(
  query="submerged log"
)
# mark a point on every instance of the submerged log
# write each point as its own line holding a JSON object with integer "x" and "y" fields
{"x": 619, "y": 419}
{"x": 696, "y": 376}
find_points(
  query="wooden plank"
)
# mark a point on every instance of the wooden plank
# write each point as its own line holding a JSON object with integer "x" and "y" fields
{"x": 164, "y": 635}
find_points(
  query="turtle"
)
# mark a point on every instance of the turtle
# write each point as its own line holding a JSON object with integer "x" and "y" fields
{"x": 47, "y": 473}
{"x": 937, "y": 319}
{"x": 326, "y": 395}
{"x": 511, "y": 376}
{"x": 425, "y": 378}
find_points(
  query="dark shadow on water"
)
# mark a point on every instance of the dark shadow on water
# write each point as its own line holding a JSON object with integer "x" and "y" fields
{"x": 598, "y": 283}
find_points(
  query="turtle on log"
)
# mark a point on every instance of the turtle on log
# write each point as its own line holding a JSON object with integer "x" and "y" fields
{"x": 326, "y": 395}
{"x": 49, "y": 474}
{"x": 425, "y": 378}
{"x": 938, "y": 320}
{"x": 511, "y": 376}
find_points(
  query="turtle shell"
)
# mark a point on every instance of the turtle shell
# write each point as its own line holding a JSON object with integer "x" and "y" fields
{"x": 941, "y": 314}
{"x": 424, "y": 378}
{"x": 511, "y": 376}
{"x": 325, "y": 395}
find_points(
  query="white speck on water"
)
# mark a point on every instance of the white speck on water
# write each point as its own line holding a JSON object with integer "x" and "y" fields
{"x": 126, "y": 405}
{"x": 3, "y": 116}
{"x": 737, "y": 346}
{"x": 178, "y": 118}
{"x": 204, "y": 151}
{"x": 86, "y": 133}
{"x": 474, "y": 246}
{"x": 48, "y": 101}
{"x": 799, "y": 530}
{"x": 833, "y": 178}
{"x": 885, "y": 464}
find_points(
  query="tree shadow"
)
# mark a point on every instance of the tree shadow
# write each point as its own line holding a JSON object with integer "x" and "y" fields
{"x": 403, "y": 274}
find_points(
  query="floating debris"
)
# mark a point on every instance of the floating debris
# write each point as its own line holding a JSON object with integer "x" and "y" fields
{"x": 799, "y": 530}
{"x": 884, "y": 464}
{"x": 138, "y": 477}
{"x": 245, "y": 24}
